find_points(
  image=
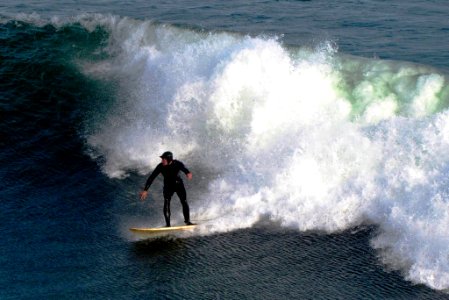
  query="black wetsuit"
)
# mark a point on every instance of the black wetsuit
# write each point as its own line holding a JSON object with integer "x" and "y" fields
{"x": 172, "y": 184}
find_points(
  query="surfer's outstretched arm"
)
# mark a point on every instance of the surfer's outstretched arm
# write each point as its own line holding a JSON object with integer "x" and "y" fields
{"x": 144, "y": 193}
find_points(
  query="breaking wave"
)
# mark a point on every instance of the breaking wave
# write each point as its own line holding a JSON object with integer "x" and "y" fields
{"x": 303, "y": 136}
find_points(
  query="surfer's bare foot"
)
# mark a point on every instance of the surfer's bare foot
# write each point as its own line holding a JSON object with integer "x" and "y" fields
{"x": 189, "y": 223}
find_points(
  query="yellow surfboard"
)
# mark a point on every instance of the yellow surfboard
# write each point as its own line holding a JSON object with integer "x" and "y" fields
{"x": 160, "y": 231}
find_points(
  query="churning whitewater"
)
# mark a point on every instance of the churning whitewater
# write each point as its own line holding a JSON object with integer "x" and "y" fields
{"x": 305, "y": 137}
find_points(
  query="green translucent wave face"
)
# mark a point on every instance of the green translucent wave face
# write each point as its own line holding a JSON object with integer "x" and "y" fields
{"x": 379, "y": 89}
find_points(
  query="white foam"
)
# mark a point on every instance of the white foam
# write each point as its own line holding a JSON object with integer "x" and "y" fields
{"x": 303, "y": 137}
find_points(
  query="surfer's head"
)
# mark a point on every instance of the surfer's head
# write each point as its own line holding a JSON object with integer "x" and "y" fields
{"x": 167, "y": 157}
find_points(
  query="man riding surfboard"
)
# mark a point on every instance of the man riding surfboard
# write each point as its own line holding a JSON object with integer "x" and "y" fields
{"x": 172, "y": 184}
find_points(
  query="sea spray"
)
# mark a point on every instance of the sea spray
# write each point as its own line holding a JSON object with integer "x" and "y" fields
{"x": 308, "y": 138}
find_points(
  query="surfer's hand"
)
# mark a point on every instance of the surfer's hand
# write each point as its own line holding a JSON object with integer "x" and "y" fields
{"x": 143, "y": 195}
{"x": 189, "y": 176}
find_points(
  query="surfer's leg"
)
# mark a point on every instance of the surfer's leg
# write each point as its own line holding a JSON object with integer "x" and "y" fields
{"x": 181, "y": 192}
{"x": 167, "y": 197}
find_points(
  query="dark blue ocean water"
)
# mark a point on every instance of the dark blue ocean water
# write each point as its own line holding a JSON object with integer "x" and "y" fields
{"x": 79, "y": 133}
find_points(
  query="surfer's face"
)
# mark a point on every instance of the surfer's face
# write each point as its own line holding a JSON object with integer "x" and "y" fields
{"x": 164, "y": 162}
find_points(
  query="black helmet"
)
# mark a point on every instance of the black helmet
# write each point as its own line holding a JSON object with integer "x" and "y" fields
{"x": 167, "y": 155}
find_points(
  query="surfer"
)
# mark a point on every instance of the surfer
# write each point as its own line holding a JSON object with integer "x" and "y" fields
{"x": 172, "y": 184}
